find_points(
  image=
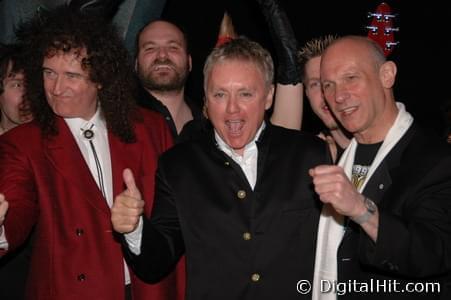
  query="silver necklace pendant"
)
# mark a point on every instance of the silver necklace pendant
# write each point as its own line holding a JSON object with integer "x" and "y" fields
{"x": 88, "y": 134}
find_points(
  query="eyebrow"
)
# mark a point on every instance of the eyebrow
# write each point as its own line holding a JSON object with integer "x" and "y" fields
{"x": 166, "y": 43}
{"x": 66, "y": 72}
{"x": 74, "y": 73}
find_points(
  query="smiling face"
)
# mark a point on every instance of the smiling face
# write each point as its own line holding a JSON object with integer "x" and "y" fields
{"x": 315, "y": 94}
{"x": 236, "y": 98}
{"x": 357, "y": 87}
{"x": 68, "y": 89}
{"x": 163, "y": 62}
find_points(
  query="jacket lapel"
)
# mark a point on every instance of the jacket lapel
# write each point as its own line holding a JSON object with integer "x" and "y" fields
{"x": 63, "y": 153}
{"x": 389, "y": 168}
{"x": 124, "y": 156}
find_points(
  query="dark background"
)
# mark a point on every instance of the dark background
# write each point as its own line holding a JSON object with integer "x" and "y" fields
{"x": 422, "y": 55}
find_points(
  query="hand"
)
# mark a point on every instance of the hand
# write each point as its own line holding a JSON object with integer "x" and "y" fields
{"x": 333, "y": 186}
{"x": 3, "y": 208}
{"x": 128, "y": 206}
{"x": 284, "y": 40}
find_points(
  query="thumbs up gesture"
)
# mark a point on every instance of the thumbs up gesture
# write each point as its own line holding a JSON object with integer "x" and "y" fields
{"x": 3, "y": 208}
{"x": 128, "y": 206}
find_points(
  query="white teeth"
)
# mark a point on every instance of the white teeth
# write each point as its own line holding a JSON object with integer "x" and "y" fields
{"x": 348, "y": 110}
{"x": 234, "y": 126}
{"x": 159, "y": 67}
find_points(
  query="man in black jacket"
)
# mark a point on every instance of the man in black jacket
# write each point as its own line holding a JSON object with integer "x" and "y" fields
{"x": 385, "y": 227}
{"x": 238, "y": 202}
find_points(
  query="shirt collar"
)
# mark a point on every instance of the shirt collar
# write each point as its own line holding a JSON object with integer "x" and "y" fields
{"x": 75, "y": 124}
{"x": 251, "y": 145}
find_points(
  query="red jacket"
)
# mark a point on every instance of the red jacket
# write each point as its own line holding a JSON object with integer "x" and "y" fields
{"x": 48, "y": 185}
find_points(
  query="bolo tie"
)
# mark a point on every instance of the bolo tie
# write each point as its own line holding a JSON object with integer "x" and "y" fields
{"x": 88, "y": 134}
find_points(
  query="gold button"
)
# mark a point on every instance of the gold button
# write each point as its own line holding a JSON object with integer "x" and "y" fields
{"x": 255, "y": 277}
{"x": 247, "y": 236}
{"x": 241, "y": 194}
{"x": 226, "y": 163}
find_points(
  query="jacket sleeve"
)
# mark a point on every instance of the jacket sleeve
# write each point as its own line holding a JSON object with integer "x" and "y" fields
{"x": 162, "y": 242}
{"x": 414, "y": 235}
{"x": 18, "y": 185}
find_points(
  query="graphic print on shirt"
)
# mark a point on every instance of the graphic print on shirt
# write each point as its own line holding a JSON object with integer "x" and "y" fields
{"x": 359, "y": 173}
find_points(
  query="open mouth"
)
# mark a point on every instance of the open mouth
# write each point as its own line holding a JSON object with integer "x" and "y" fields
{"x": 234, "y": 126}
{"x": 162, "y": 68}
{"x": 348, "y": 110}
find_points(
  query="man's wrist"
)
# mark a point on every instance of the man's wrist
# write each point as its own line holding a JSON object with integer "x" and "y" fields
{"x": 370, "y": 210}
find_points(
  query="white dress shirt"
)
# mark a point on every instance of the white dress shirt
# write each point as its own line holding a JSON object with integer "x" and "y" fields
{"x": 3, "y": 241}
{"x": 248, "y": 161}
{"x": 98, "y": 125}
{"x": 100, "y": 140}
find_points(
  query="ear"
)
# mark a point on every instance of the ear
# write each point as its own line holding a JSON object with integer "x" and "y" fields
{"x": 190, "y": 62}
{"x": 387, "y": 74}
{"x": 269, "y": 97}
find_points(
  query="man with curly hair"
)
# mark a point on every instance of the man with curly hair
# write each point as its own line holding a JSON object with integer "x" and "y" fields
{"x": 60, "y": 172}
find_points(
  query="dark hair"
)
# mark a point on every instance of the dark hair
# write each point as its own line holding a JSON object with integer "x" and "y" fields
{"x": 107, "y": 62}
{"x": 9, "y": 54}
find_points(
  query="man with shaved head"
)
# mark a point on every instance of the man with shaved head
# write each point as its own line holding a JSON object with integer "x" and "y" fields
{"x": 384, "y": 230}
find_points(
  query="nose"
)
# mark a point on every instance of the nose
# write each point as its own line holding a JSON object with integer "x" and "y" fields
{"x": 232, "y": 106}
{"x": 162, "y": 52}
{"x": 341, "y": 93}
{"x": 57, "y": 86}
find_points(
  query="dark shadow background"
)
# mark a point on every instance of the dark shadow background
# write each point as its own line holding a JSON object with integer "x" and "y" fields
{"x": 422, "y": 55}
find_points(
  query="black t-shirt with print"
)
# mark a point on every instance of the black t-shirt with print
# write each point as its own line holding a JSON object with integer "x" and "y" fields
{"x": 363, "y": 159}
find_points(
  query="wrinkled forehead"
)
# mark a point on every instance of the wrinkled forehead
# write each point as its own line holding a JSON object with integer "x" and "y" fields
{"x": 75, "y": 59}
{"x": 238, "y": 65}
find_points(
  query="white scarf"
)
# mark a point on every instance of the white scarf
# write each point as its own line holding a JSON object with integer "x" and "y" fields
{"x": 331, "y": 227}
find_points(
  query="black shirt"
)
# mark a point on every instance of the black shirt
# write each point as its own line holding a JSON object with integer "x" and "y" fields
{"x": 190, "y": 130}
{"x": 364, "y": 156}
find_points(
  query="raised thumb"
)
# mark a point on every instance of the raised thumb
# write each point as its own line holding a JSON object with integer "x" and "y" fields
{"x": 130, "y": 184}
